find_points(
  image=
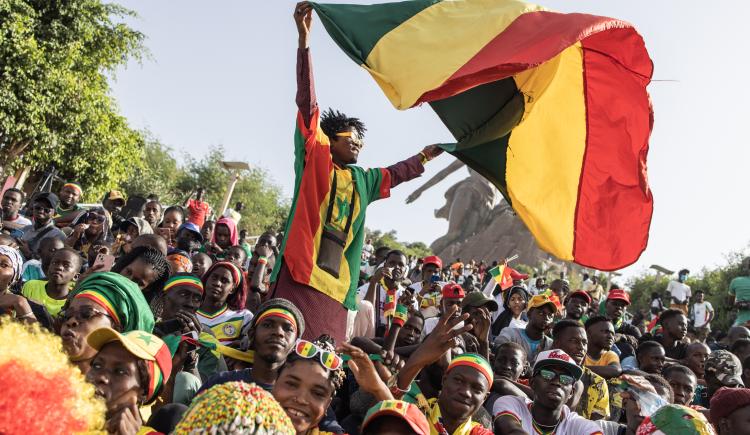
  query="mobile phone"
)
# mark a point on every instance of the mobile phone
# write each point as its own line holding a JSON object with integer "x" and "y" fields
{"x": 165, "y": 232}
{"x": 105, "y": 261}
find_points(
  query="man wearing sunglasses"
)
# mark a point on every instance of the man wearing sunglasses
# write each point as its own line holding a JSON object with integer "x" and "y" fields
{"x": 42, "y": 209}
{"x": 554, "y": 376}
{"x": 320, "y": 257}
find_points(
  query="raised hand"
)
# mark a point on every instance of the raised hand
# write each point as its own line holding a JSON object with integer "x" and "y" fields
{"x": 303, "y": 19}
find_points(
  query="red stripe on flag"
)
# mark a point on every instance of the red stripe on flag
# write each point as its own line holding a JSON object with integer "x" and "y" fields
{"x": 614, "y": 208}
{"x": 530, "y": 40}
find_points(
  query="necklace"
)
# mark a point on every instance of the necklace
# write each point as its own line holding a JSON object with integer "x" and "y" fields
{"x": 542, "y": 428}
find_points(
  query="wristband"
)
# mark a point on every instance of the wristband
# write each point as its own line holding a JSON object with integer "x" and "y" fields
{"x": 262, "y": 260}
{"x": 423, "y": 157}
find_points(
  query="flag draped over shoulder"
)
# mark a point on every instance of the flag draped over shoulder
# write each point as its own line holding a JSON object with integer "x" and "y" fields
{"x": 550, "y": 107}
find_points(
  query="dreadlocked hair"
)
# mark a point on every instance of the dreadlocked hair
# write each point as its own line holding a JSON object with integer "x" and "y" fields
{"x": 328, "y": 344}
{"x": 333, "y": 121}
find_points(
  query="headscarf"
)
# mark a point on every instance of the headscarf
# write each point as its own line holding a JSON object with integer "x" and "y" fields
{"x": 504, "y": 318}
{"x": 120, "y": 297}
{"x": 675, "y": 420}
{"x": 106, "y": 234}
{"x": 142, "y": 224}
{"x": 15, "y": 259}
{"x": 236, "y": 300}
{"x": 232, "y": 225}
{"x": 42, "y": 391}
{"x": 235, "y": 407}
{"x": 179, "y": 262}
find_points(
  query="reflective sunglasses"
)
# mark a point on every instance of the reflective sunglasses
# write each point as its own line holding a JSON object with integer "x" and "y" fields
{"x": 352, "y": 135}
{"x": 308, "y": 350}
{"x": 82, "y": 315}
{"x": 549, "y": 375}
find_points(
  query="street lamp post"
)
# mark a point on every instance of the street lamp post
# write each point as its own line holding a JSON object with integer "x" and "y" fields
{"x": 234, "y": 168}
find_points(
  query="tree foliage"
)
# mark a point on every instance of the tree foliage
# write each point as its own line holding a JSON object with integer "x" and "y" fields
{"x": 390, "y": 239}
{"x": 713, "y": 282}
{"x": 55, "y": 103}
{"x": 266, "y": 208}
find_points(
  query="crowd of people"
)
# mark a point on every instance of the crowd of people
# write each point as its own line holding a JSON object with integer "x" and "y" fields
{"x": 170, "y": 319}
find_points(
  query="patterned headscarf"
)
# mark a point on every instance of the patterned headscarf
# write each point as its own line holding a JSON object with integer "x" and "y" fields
{"x": 179, "y": 262}
{"x": 120, "y": 297}
{"x": 15, "y": 259}
{"x": 676, "y": 420}
{"x": 235, "y": 407}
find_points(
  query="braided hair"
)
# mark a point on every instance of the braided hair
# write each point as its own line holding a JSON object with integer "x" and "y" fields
{"x": 153, "y": 258}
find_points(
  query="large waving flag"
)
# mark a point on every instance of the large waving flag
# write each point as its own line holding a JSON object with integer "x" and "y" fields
{"x": 551, "y": 107}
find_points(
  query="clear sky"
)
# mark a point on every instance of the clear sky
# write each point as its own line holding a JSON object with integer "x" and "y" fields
{"x": 223, "y": 73}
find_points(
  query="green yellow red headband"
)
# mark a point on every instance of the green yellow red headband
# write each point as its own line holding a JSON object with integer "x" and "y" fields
{"x": 184, "y": 281}
{"x": 102, "y": 301}
{"x": 277, "y": 312}
{"x": 74, "y": 186}
{"x": 474, "y": 361}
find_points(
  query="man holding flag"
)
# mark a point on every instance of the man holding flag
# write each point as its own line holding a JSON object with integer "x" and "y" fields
{"x": 320, "y": 257}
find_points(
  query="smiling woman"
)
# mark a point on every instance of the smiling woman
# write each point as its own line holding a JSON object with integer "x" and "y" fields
{"x": 307, "y": 382}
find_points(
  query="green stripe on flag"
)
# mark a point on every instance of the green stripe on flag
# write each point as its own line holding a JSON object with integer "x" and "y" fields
{"x": 357, "y": 28}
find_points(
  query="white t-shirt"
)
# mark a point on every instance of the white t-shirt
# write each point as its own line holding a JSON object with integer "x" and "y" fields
{"x": 431, "y": 323}
{"x": 520, "y": 409}
{"x": 678, "y": 290}
{"x": 701, "y": 310}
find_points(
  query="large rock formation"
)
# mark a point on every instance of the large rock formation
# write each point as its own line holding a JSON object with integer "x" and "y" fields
{"x": 481, "y": 225}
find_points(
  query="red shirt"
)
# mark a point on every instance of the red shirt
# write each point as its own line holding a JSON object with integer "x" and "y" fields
{"x": 198, "y": 211}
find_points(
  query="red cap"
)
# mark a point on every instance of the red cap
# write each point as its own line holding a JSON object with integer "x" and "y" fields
{"x": 582, "y": 294}
{"x": 453, "y": 290}
{"x": 619, "y": 294}
{"x": 433, "y": 259}
{"x": 515, "y": 275}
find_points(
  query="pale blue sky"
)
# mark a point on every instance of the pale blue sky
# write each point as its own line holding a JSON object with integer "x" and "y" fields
{"x": 224, "y": 74}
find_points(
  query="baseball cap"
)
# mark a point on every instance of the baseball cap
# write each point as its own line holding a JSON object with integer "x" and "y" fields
{"x": 48, "y": 197}
{"x": 582, "y": 294}
{"x": 453, "y": 290}
{"x": 619, "y": 294}
{"x": 142, "y": 345}
{"x": 193, "y": 228}
{"x": 479, "y": 299}
{"x": 557, "y": 358}
{"x": 726, "y": 367}
{"x": 402, "y": 410}
{"x": 115, "y": 195}
{"x": 540, "y": 301}
{"x": 433, "y": 259}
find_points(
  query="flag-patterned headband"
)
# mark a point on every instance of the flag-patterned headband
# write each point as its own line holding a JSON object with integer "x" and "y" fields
{"x": 278, "y": 312}
{"x": 236, "y": 272}
{"x": 475, "y": 361}
{"x": 102, "y": 301}
{"x": 75, "y": 187}
{"x": 184, "y": 281}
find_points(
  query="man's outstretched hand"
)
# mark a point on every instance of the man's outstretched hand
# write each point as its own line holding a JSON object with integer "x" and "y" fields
{"x": 432, "y": 151}
{"x": 303, "y": 18}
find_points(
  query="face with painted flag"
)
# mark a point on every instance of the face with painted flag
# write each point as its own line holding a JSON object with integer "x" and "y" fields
{"x": 304, "y": 391}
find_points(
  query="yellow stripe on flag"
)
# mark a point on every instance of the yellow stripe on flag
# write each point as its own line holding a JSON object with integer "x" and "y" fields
{"x": 546, "y": 149}
{"x": 425, "y": 50}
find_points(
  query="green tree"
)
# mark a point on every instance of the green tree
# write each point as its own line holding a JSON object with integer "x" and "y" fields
{"x": 55, "y": 107}
{"x": 266, "y": 208}
{"x": 390, "y": 239}
{"x": 713, "y": 281}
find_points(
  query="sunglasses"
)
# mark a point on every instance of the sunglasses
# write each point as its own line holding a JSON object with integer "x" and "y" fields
{"x": 42, "y": 209}
{"x": 82, "y": 315}
{"x": 95, "y": 217}
{"x": 308, "y": 350}
{"x": 549, "y": 375}
{"x": 352, "y": 135}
